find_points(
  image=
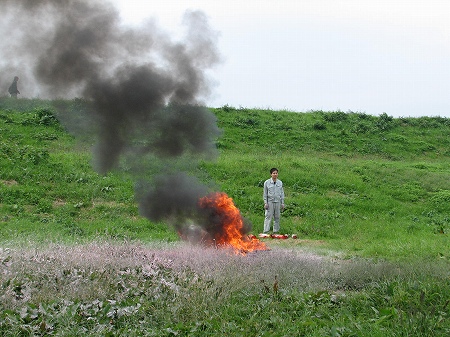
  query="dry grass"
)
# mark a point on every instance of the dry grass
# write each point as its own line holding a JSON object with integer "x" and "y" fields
{"x": 98, "y": 270}
{"x": 105, "y": 288}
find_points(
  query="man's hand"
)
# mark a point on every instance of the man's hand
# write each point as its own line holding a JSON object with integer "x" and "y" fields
{"x": 266, "y": 206}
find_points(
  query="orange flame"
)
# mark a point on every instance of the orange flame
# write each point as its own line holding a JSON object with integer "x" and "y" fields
{"x": 232, "y": 224}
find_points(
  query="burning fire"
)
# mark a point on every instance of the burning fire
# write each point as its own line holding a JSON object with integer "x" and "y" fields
{"x": 227, "y": 219}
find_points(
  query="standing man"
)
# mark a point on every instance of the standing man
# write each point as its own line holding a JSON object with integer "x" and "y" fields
{"x": 273, "y": 196}
{"x": 13, "y": 91}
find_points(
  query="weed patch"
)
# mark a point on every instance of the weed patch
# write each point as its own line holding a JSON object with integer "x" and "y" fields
{"x": 105, "y": 288}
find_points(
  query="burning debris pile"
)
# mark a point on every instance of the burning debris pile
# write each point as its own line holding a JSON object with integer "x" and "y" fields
{"x": 145, "y": 96}
{"x": 226, "y": 225}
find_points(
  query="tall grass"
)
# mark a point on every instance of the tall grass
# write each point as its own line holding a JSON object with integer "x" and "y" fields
{"x": 177, "y": 290}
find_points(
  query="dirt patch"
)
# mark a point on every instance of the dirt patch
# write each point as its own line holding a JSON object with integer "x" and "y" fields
{"x": 106, "y": 203}
{"x": 9, "y": 182}
{"x": 295, "y": 242}
{"x": 59, "y": 203}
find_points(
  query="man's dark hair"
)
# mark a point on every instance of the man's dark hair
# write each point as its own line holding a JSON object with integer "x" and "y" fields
{"x": 273, "y": 169}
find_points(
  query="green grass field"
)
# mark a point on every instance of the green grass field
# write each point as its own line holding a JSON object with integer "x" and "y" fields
{"x": 368, "y": 197}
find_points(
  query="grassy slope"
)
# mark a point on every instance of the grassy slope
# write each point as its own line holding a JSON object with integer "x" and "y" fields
{"x": 352, "y": 184}
{"x": 377, "y": 186}
{"x": 372, "y": 186}
{"x": 49, "y": 191}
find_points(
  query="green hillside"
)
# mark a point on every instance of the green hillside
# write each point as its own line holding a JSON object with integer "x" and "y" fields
{"x": 367, "y": 196}
{"x": 354, "y": 183}
{"x": 379, "y": 186}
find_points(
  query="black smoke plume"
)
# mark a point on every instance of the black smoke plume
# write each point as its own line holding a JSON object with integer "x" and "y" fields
{"x": 144, "y": 90}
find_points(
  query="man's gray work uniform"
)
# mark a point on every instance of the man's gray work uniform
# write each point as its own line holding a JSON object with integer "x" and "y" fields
{"x": 273, "y": 196}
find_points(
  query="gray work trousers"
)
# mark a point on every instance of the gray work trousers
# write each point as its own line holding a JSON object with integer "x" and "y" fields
{"x": 272, "y": 212}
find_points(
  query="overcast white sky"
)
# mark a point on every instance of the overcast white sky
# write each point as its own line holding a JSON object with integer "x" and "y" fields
{"x": 369, "y": 56}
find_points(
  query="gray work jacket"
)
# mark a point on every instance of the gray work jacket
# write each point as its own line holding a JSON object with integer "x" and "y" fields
{"x": 273, "y": 191}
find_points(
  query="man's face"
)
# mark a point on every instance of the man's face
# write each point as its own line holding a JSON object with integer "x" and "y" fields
{"x": 274, "y": 175}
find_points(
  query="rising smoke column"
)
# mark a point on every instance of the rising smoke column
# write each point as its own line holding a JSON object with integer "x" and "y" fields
{"x": 144, "y": 90}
